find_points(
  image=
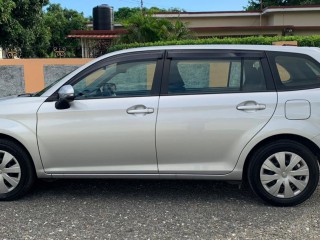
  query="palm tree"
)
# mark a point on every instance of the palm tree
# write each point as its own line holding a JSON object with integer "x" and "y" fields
{"x": 144, "y": 28}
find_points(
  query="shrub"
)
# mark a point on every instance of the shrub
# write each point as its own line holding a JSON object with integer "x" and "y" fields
{"x": 309, "y": 41}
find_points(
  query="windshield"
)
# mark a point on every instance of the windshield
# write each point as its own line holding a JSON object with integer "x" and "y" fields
{"x": 38, "y": 94}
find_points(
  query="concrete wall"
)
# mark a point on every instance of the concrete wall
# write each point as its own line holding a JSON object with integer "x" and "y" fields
{"x": 31, "y": 75}
{"x": 55, "y": 72}
{"x": 11, "y": 80}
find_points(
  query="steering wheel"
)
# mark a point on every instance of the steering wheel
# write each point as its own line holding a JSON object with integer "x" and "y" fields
{"x": 109, "y": 89}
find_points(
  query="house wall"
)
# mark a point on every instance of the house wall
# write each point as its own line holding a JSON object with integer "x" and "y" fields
{"x": 294, "y": 18}
{"x": 250, "y": 24}
{"x": 222, "y": 21}
{"x": 235, "y": 33}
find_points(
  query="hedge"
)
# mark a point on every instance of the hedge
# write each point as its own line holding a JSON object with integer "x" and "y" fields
{"x": 309, "y": 41}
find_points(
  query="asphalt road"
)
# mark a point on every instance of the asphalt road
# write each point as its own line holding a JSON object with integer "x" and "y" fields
{"x": 132, "y": 209}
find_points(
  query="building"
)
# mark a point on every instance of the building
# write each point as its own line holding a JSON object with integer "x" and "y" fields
{"x": 271, "y": 21}
{"x": 95, "y": 43}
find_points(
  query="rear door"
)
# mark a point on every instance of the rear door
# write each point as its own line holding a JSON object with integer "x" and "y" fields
{"x": 212, "y": 104}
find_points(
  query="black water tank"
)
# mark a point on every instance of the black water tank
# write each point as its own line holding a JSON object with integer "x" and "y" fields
{"x": 102, "y": 17}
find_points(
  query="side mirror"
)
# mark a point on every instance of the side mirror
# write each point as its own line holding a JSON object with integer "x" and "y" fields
{"x": 66, "y": 95}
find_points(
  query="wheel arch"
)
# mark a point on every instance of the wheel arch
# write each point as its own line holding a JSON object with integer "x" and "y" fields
{"x": 303, "y": 140}
{"x": 10, "y": 138}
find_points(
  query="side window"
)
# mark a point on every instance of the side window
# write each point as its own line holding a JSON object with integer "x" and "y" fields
{"x": 253, "y": 76}
{"x": 296, "y": 70}
{"x": 215, "y": 76}
{"x": 283, "y": 73}
{"x": 118, "y": 80}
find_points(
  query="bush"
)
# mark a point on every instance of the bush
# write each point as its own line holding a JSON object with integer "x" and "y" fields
{"x": 308, "y": 41}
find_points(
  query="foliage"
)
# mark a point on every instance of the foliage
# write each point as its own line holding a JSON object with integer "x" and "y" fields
{"x": 310, "y": 41}
{"x": 179, "y": 31}
{"x": 60, "y": 23}
{"x": 124, "y": 13}
{"x": 22, "y": 25}
{"x": 6, "y": 8}
{"x": 255, "y": 4}
{"x": 146, "y": 28}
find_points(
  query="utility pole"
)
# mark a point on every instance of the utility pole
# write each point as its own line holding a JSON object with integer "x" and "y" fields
{"x": 141, "y": 5}
{"x": 261, "y": 8}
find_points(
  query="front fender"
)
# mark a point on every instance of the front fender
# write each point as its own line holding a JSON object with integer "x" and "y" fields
{"x": 26, "y": 135}
{"x": 18, "y": 120}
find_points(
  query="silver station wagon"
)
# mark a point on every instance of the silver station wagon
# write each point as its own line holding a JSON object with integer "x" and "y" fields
{"x": 249, "y": 113}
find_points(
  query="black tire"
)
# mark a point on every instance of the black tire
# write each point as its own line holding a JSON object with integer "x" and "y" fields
{"x": 27, "y": 170}
{"x": 264, "y": 153}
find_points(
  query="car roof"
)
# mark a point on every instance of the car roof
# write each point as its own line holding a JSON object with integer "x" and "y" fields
{"x": 222, "y": 47}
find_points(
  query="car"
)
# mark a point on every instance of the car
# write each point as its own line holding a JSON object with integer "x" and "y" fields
{"x": 214, "y": 112}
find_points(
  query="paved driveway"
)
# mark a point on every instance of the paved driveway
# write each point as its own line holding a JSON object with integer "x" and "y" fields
{"x": 123, "y": 209}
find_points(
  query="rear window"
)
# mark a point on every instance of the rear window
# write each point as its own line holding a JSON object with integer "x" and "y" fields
{"x": 294, "y": 71}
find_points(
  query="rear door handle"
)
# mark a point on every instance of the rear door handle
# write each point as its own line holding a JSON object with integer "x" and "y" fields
{"x": 251, "y": 106}
{"x": 140, "y": 109}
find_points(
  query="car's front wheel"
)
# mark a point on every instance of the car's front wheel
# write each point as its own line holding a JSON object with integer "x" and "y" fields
{"x": 283, "y": 173}
{"x": 16, "y": 170}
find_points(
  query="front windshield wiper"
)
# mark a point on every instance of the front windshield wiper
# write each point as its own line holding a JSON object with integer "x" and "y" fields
{"x": 26, "y": 95}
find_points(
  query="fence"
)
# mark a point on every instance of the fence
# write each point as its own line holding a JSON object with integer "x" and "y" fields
{"x": 31, "y": 75}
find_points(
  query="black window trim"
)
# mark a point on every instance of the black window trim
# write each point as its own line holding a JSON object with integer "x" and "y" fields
{"x": 209, "y": 54}
{"x": 271, "y": 55}
{"x": 216, "y": 54}
{"x": 156, "y": 55}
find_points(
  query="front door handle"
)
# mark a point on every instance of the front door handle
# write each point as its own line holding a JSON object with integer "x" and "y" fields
{"x": 140, "y": 109}
{"x": 251, "y": 106}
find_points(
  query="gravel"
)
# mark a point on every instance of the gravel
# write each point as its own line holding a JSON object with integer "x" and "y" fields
{"x": 145, "y": 209}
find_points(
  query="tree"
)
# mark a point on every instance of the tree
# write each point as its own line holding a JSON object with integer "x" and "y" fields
{"x": 146, "y": 28}
{"x": 22, "y": 26}
{"x": 255, "y": 4}
{"x": 179, "y": 31}
{"x": 6, "y": 8}
{"x": 124, "y": 13}
{"x": 60, "y": 23}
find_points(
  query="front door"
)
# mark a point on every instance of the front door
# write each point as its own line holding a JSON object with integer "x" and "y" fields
{"x": 110, "y": 127}
{"x": 211, "y": 105}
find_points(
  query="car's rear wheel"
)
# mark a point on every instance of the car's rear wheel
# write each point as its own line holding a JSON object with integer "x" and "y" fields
{"x": 16, "y": 171}
{"x": 283, "y": 173}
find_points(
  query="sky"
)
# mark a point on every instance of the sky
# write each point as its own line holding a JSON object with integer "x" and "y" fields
{"x": 86, "y": 6}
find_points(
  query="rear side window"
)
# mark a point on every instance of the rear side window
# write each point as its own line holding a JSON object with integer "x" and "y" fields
{"x": 215, "y": 76}
{"x": 295, "y": 71}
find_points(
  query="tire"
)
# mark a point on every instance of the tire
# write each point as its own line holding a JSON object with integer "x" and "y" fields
{"x": 16, "y": 171}
{"x": 276, "y": 181}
